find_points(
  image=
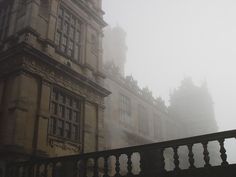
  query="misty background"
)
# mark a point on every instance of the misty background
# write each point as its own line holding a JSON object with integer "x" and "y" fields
{"x": 169, "y": 40}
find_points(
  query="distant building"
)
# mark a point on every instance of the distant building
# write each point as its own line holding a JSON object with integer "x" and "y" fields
{"x": 51, "y": 80}
{"x": 132, "y": 115}
{"x": 192, "y": 107}
{"x": 115, "y": 49}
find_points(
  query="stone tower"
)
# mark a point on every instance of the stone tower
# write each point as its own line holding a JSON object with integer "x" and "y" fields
{"x": 115, "y": 48}
{"x": 51, "y": 81}
{"x": 192, "y": 107}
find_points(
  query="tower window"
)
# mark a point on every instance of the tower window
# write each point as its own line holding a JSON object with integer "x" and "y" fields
{"x": 65, "y": 117}
{"x": 125, "y": 109}
{"x": 143, "y": 120}
{"x": 67, "y": 36}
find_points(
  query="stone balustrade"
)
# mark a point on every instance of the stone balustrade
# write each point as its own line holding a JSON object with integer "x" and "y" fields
{"x": 139, "y": 161}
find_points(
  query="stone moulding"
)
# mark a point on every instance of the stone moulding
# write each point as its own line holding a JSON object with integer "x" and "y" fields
{"x": 25, "y": 58}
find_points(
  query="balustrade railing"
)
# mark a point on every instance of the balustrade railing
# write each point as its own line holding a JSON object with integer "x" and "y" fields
{"x": 144, "y": 161}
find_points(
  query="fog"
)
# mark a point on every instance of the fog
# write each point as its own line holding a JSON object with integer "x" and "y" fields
{"x": 171, "y": 39}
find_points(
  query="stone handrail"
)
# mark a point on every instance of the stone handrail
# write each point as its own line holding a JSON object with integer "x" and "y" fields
{"x": 144, "y": 160}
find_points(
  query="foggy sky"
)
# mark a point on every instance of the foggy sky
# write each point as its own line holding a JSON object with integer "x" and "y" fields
{"x": 171, "y": 39}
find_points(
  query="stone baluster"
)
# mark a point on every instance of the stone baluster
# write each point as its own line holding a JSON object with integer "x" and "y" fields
{"x": 129, "y": 163}
{"x": 162, "y": 160}
{"x": 191, "y": 156}
{"x": 223, "y": 154}
{"x": 117, "y": 169}
{"x": 14, "y": 171}
{"x": 45, "y": 172}
{"x": 81, "y": 168}
{"x": 95, "y": 167}
{"x": 75, "y": 168}
{"x": 84, "y": 167}
{"x": 23, "y": 171}
{"x": 176, "y": 158}
{"x": 38, "y": 170}
{"x": 30, "y": 170}
{"x": 206, "y": 155}
{"x": 151, "y": 162}
{"x": 53, "y": 169}
{"x": 106, "y": 167}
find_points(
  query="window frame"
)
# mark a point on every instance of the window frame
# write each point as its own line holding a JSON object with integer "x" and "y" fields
{"x": 142, "y": 115}
{"x": 125, "y": 109}
{"x": 75, "y": 24}
{"x": 75, "y": 104}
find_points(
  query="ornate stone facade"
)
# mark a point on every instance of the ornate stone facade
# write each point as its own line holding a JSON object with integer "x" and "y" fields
{"x": 132, "y": 115}
{"x": 144, "y": 121}
{"x": 32, "y": 65}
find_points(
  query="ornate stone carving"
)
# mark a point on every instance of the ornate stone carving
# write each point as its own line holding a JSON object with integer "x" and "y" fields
{"x": 65, "y": 145}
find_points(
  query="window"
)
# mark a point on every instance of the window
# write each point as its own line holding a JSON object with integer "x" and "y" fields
{"x": 44, "y": 8}
{"x": 125, "y": 109}
{"x": 4, "y": 21}
{"x": 143, "y": 119}
{"x": 67, "y": 37}
{"x": 65, "y": 115}
{"x": 94, "y": 42}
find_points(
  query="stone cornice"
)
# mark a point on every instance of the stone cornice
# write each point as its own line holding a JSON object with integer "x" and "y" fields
{"x": 46, "y": 64}
{"x": 91, "y": 12}
{"x": 134, "y": 89}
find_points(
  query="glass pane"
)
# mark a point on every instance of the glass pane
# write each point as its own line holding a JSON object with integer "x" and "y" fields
{"x": 60, "y": 127}
{"x": 60, "y": 12}
{"x": 54, "y": 125}
{"x": 51, "y": 126}
{"x": 64, "y": 41}
{"x": 68, "y": 114}
{"x": 76, "y": 53}
{"x": 72, "y": 30}
{"x": 59, "y": 23}
{"x": 75, "y": 132}
{"x": 54, "y": 95}
{"x": 78, "y": 25}
{"x": 61, "y": 111}
{"x": 65, "y": 28}
{"x": 68, "y": 130}
{"x": 70, "y": 45}
{"x": 73, "y": 21}
{"x": 66, "y": 16}
{"x": 75, "y": 116}
{"x": 57, "y": 38}
{"x": 53, "y": 108}
{"x": 61, "y": 98}
{"x": 68, "y": 100}
{"x": 77, "y": 37}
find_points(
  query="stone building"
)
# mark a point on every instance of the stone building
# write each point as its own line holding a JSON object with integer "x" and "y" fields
{"x": 51, "y": 80}
{"x": 132, "y": 115}
{"x": 192, "y": 106}
{"x": 115, "y": 49}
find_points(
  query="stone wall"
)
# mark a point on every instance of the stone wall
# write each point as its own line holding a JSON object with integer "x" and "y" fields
{"x": 31, "y": 67}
